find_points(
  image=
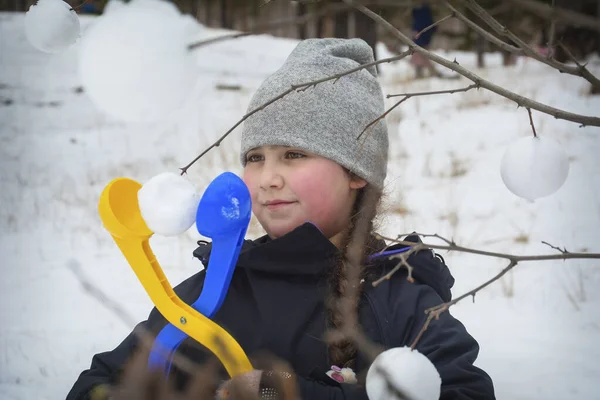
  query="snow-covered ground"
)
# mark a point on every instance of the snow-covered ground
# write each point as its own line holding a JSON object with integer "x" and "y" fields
{"x": 538, "y": 327}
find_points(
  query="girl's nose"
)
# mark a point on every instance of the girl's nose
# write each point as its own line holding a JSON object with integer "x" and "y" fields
{"x": 270, "y": 177}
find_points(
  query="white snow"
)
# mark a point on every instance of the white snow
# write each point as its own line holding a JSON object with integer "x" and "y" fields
{"x": 534, "y": 167}
{"x": 168, "y": 203}
{"x": 232, "y": 211}
{"x": 537, "y": 327}
{"x": 409, "y": 372}
{"x": 51, "y": 25}
{"x": 134, "y": 62}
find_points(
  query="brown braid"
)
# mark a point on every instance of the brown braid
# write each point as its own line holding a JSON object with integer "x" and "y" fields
{"x": 343, "y": 352}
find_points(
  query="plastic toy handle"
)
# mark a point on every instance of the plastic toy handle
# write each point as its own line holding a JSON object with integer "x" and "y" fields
{"x": 120, "y": 214}
{"x": 216, "y": 284}
{"x": 218, "y": 278}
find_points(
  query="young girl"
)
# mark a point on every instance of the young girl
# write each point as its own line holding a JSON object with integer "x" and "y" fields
{"x": 308, "y": 176}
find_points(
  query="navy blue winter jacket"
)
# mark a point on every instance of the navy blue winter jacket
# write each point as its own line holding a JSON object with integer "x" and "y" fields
{"x": 276, "y": 304}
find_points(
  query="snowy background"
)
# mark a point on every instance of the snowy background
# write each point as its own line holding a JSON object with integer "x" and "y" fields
{"x": 538, "y": 327}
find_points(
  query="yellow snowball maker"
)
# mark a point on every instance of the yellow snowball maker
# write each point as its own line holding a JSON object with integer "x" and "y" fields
{"x": 121, "y": 216}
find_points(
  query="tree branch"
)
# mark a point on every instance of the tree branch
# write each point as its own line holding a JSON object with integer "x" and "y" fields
{"x": 293, "y": 88}
{"x": 531, "y": 122}
{"x": 144, "y": 335}
{"x": 527, "y": 49}
{"x": 418, "y": 35}
{"x": 435, "y": 312}
{"x": 330, "y": 9}
{"x": 452, "y": 246}
{"x": 552, "y": 12}
{"x": 454, "y": 66}
{"x": 449, "y": 91}
{"x": 498, "y": 42}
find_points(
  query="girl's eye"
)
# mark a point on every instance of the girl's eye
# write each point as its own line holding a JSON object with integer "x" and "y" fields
{"x": 253, "y": 158}
{"x": 293, "y": 154}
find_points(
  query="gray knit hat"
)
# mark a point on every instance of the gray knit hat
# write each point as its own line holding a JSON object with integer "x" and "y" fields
{"x": 327, "y": 119}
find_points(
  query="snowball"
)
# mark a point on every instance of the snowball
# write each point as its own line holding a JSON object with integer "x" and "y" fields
{"x": 533, "y": 167}
{"x": 409, "y": 372}
{"x": 134, "y": 62}
{"x": 51, "y": 25}
{"x": 168, "y": 203}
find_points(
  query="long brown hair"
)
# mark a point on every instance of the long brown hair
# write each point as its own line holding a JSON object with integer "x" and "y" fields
{"x": 342, "y": 352}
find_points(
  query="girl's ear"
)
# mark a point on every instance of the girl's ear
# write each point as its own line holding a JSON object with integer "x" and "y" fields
{"x": 357, "y": 183}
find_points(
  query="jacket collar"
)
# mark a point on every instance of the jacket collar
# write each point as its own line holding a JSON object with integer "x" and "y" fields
{"x": 303, "y": 251}
{"x": 306, "y": 251}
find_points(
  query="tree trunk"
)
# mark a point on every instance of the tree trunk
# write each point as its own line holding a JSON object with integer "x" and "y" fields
{"x": 480, "y": 46}
{"x": 226, "y": 17}
{"x": 300, "y": 11}
{"x": 366, "y": 29}
{"x": 341, "y": 25}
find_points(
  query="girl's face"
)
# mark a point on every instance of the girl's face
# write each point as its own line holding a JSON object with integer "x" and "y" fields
{"x": 289, "y": 187}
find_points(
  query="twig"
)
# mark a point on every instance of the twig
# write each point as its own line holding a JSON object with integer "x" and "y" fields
{"x": 550, "y": 12}
{"x": 514, "y": 260}
{"x": 330, "y": 9}
{"x": 79, "y": 6}
{"x": 403, "y": 263}
{"x": 430, "y": 317}
{"x": 531, "y": 122}
{"x": 511, "y": 257}
{"x": 418, "y": 35}
{"x": 449, "y": 91}
{"x": 435, "y": 312}
{"x": 143, "y": 334}
{"x": 563, "y": 250}
{"x": 498, "y": 42}
{"x": 382, "y": 116}
{"x": 293, "y": 88}
{"x": 470, "y": 293}
{"x": 453, "y": 65}
{"x": 570, "y": 55}
{"x": 529, "y": 51}
{"x": 408, "y": 96}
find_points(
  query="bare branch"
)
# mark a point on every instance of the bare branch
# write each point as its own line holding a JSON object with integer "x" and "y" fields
{"x": 453, "y": 65}
{"x": 435, "y": 312}
{"x": 298, "y": 87}
{"x": 144, "y": 335}
{"x": 527, "y": 49}
{"x": 510, "y": 257}
{"x": 403, "y": 263}
{"x": 450, "y": 91}
{"x": 470, "y": 293}
{"x": 498, "y": 42}
{"x": 408, "y": 96}
{"x": 531, "y": 122}
{"x": 570, "y": 55}
{"x": 430, "y": 317}
{"x": 563, "y": 250}
{"x": 418, "y": 35}
{"x": 382, "y": 116}
{"x": 330, "y": 9}
{"x": 552, "y": 12}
